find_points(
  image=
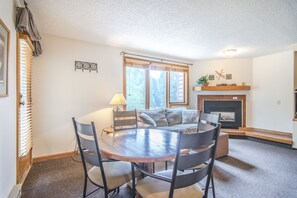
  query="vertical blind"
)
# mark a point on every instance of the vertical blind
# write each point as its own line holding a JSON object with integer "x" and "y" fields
{"x": 25, "y": 107}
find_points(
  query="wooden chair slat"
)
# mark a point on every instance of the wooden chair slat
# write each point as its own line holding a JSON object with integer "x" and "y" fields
{"x": 197, "y": 140}
{"x": 85, "y": 129}
{"x": 88, "y": 144}
{"x": 188, "y": 161}
{"x": 189, "y": 179}
{"x": 124, "y": 120}
{"x": 213, "y": 118}
{"x": 124, "y": 113}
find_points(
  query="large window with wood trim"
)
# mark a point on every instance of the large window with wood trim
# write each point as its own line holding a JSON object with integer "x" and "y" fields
{"x": 154, "y": 85}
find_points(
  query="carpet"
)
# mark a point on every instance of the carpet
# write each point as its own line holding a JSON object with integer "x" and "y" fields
{"x": 252, "y": 169}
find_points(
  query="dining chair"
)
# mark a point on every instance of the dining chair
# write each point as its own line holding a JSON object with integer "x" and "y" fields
{"x": 178, "y": 182}
{"x": 124, "y": 120}
{"x": 204, "y": 120}
{"x": 106, "y": 174}
{"x": 207, "y": 118}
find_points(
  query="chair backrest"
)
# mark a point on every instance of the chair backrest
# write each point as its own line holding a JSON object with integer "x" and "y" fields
{"x": 88, "y": 146}
{"x": 124, "y": 120}
{"x": 207, "y": 118}
{"x": 203, "y": 146}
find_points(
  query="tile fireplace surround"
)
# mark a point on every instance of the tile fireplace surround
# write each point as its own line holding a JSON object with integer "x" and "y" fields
{"x": 242, "y": 98}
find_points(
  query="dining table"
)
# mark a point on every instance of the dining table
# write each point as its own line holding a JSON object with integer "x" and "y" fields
{"x": 139, "y": 145}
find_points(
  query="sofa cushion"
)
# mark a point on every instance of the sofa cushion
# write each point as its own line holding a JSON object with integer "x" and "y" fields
{"x": 147, "y": 119}
{"x": 190, "y": 116}
{"x": 174, "y": 115}
{"x": 158, "y": 115}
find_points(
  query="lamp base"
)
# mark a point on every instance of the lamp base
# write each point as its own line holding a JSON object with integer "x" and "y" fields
{"x": 117, "y": 108}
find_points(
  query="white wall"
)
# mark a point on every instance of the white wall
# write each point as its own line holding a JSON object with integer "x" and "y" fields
{"x": 272, "y": 93}
{"x": 59, "y": 92}
{"x": 8, "y": 108}
{"x": 241, "y": 70}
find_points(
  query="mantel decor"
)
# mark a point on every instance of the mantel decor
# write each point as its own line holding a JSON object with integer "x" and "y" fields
{"x": 4, "y": 49}
{"x": 81, "y": 65}
{"x": 222, "y": 88}
{"x": 203, "y": 81}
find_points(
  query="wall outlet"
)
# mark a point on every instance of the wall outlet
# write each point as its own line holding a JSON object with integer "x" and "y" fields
{"x": 234, "y": 98}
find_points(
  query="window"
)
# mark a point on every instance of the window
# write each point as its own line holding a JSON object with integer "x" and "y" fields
{"x": 135, "y": 88}
{"x": 177, "y": 87}
{"x": 154, "y": 85}
{"x": 157, "y": 89}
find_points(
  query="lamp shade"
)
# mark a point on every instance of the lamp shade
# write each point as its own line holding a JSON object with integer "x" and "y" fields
{"x": 118, "y": 99}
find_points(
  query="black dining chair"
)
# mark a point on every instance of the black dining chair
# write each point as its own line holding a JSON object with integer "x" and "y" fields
{"x": 180, "y": 182}
{"x": 106, "y": 174}
{"x": 204, "y": 120}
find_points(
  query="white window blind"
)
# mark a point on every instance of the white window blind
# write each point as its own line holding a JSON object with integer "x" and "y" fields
{"x": 25, "y": 106}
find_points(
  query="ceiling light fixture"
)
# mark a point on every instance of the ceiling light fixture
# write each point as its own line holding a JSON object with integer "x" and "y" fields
{"x": 230, "y": 52}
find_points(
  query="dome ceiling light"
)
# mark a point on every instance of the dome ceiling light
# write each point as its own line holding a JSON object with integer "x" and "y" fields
{"x": 230, "y": 52}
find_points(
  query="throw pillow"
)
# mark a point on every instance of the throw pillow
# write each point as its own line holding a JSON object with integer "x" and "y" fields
{"x": 174, "y": 115}
{"x": 190, "y": 116}
{"x": 157, "y": 115}
{"x": 147, "y": 119}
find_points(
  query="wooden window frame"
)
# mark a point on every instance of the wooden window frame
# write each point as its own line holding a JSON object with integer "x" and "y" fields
{"x": 166, "y": 66}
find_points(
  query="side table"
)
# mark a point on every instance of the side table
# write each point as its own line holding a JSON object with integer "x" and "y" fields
{"x": 107, "y": 130}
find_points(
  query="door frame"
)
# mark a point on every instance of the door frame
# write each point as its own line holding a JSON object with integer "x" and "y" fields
{"x": 20, "y": 178}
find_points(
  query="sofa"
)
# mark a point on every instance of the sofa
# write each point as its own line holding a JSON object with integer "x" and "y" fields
{"x": 178, "y": 119}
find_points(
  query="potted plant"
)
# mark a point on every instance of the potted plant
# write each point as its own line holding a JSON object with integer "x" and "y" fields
{"x": 203, "y": 81}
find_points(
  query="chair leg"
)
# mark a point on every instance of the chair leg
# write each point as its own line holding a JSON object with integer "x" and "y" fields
{"x": 133, "y": 182}
{"x": 85, "y": 187}
{"x": 166, "y": 165}
{"x": 153, "y": 167}
{"x": 213, "y": 187}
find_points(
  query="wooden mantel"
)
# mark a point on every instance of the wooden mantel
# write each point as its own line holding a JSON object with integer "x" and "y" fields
{"x": 221, "y": 88}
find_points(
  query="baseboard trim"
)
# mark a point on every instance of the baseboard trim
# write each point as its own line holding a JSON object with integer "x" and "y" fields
{"x": 252, "y": 129}
{"x": 55, "y": 156}
{"x": 16, "y": 191}
{"x": 263, "y": 134}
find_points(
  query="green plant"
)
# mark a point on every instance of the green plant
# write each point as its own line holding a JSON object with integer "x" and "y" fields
{"x": 203, "y": 80}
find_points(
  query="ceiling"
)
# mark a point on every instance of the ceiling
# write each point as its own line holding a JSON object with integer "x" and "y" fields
{"x": 187, "y": 29}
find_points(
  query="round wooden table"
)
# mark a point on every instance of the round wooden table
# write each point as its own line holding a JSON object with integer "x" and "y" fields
{"x": 139, "y": 145}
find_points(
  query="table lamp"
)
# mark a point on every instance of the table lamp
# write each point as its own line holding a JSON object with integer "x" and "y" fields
{"x": 118, "y": 99}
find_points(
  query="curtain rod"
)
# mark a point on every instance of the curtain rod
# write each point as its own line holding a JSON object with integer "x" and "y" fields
{"x": 123, "y": 53}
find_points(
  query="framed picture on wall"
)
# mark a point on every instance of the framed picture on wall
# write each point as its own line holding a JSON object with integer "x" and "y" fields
{"x": 4, "y": 49}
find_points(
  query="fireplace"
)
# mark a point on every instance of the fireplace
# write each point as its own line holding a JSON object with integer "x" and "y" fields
{"x": 231, "y": 112}
{"x": 231, "y": 107}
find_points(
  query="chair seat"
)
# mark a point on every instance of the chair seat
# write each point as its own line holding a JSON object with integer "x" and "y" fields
{"x": 154, "y": 188}
{"x": 116, "y": 173}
